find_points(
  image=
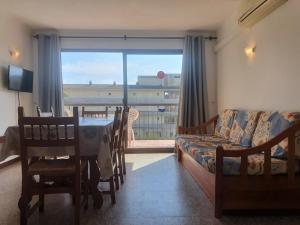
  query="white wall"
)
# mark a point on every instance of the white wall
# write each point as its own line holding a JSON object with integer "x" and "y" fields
{"x": 271, "y": 80}
{"x": 13, "y": 35}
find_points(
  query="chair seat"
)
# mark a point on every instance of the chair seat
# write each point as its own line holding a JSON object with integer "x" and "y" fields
{"x": 55, "y": 167}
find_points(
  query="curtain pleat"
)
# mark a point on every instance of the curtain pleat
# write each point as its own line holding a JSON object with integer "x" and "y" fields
{"x": 193, "y": 105}
{"x": 49, "y": 74}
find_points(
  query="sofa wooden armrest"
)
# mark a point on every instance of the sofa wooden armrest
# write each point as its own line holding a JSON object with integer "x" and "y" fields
{"x": 201, "y": 129}
{"x": 241, "y": 185}
{"x": 265, "y": 148}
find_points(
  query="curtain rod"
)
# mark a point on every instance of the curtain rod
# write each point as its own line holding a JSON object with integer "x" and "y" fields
{"x": 130, "y": 37}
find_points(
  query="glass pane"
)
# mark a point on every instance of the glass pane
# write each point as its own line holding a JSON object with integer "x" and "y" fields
{"x": 153, "y": 90}
{"x": 93, "y": 80}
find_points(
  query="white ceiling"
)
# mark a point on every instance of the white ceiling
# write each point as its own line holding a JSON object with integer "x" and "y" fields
{"x": 121, "y": 14}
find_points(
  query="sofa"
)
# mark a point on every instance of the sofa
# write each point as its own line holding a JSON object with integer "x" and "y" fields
{"x": 245, "y": 160}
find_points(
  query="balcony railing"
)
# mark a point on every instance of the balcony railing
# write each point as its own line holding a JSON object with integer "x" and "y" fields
{"x": 152, "y": 125}
{"x": 156, "y": 121}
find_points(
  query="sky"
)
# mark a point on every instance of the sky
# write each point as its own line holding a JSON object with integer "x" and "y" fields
{"x": 105, "y": 68}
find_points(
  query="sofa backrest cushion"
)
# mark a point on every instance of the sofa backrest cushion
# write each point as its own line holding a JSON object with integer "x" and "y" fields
{"x": 243, "y": 127}
{"x": 224, "y": 123}
{"x": 270, "y": 124}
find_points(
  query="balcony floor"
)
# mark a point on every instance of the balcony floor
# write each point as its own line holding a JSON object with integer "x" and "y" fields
{"x": 152, "y": 144}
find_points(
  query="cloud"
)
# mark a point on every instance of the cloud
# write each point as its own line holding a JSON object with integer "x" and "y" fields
{"x": 95, "y": 70}
{"x": 106, "y": 69}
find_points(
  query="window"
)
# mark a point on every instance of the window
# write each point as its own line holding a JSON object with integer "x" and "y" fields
{"x": 97, "y": 80}
{"x": 91, "y": 79}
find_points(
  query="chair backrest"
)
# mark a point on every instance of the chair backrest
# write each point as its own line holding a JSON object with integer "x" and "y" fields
{"x": 44, "y": 114}
{"x": 48, "y": 132}
{"x": 124, "y": 128}
{"x": 132, "y": 116}
{"x": 95, "y": 114}
{"x": 116, "y": 128}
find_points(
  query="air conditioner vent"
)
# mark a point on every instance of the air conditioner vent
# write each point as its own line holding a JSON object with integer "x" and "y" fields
{"x": 255, "y": 10}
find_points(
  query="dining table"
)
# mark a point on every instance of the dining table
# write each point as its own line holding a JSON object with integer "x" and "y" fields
{"x": 94, "y": 139}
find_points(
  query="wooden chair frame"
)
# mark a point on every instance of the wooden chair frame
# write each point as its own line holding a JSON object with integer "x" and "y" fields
{"x": 122, "y": 144}
{"x": 29, "y": 186}
{"x": 114, "y": 180}
{"x": 245, "y": 192}
{"x": 114, "y": 144}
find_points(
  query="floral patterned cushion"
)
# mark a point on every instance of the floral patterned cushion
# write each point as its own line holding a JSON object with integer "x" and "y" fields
{"x": 243, "y": 127}
{"x": 204, "y": 152}
{"x": 224, "y": 123}
{"x": 271, "y": 124}
{"x": 186, "y": 142}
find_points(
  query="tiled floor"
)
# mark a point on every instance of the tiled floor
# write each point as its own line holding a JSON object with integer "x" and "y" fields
{"x": 157, "y": 191}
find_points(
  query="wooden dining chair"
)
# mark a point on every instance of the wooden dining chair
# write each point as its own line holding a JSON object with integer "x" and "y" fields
{"x": 45, "y": 114}
{"x": 96, "y": 114}
{"x": 114, "y": 180}
{"x": 47, "y": 132}
{"x": 122, "y": 144}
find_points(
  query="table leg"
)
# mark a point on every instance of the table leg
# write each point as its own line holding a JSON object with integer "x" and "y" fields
{"x": 94, "y": 180}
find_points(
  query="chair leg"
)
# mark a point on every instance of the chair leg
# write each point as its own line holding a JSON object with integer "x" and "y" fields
{"x": 120, "y": 166}
{"x": 77, "y": 201}
{"x": 24, "y": 208}
{"x": 123, "y": 161}
{"x": 77, "y": 210}
{"x": 116, "y": 174}
{"x": 116, "y": 177}
{"x": 86, "y": 187}
{"x": 24, "y": 199}
{"x": 41, "y": 202}
{"x": 112, "y": 190}
{"x": 86, "y": 196}
{"x": 41, "y": 196}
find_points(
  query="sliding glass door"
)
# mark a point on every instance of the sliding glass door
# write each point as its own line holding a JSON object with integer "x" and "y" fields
{"x": 153, "y": 80}
{"x": 148, "y": 81}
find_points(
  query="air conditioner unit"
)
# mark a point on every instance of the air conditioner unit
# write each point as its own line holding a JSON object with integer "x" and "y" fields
{"x": 255, "y": 10}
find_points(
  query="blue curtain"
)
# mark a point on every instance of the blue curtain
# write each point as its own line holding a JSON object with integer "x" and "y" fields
{"x": 193, "y": 106}
{"x": 49, "y": 74}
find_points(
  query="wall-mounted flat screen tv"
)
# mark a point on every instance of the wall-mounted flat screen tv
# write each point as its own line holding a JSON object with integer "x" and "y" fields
{"x": 19, "y": 79}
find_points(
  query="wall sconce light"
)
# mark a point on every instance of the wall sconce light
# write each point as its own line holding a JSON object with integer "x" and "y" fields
{"x": 14, "y": 53}
{"x": 250, "y": 51}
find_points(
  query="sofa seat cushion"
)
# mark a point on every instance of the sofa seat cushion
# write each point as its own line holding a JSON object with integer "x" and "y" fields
{"x": 224, "y": 123}
{"x": 187, "y": 142}
{"x": 271, "y": 124}
{"x": 243, "y": 127}
{"x": 203, "y": 150}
